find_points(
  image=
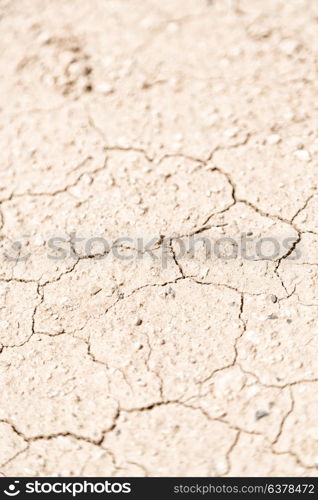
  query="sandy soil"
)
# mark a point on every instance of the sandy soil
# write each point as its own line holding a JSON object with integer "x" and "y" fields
{"x": 158, "y": 120}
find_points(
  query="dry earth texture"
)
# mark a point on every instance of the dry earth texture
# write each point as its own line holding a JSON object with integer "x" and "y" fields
{"x": 158, "y": 120}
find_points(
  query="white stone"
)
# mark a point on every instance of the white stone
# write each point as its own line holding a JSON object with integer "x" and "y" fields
{"x": 274, "y": 139}
{"x": 289, "y": 46}
{"x": 105, "y": 88}
{"x": 231, "y": 132}
{"x": 302, "y": 154}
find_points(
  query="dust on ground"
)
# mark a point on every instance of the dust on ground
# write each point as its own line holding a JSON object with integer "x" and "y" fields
{"x": 129, "y": 119}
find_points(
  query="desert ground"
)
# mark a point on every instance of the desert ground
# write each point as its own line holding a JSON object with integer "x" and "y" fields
{"x": 159, "y": 230}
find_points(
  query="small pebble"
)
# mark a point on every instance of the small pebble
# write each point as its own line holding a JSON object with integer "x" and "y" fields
{"x": 231, "y": 132}
{"x": 274, "y": 139}
{"x": 143, "y": 209}
{"x": 178, "y": 137}
{"x": 105, "y": 88}
{"x": 138, "y": 322}
{"x": 39, "y": 241}
{"x": 302, "y": 154}
{"x": 171, "y": 292}
{"x": 260, "y": 414}
{"x": 294, "y": 142}
{"x": 272, "y": 316}
{"x": 75, "y": 68}
{"x": 274, "y": 299}
{"x": 298, "y": 364}
{"x": 87, "y": 179}
{"x": 289, "y": 46}
{"x": 172, "y": 27}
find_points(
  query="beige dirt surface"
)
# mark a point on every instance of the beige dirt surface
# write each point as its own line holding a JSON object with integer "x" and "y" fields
{"x": 145, "y": 124}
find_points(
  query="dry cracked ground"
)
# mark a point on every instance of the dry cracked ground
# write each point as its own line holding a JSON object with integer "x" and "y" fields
{"x": 133, "y": 126}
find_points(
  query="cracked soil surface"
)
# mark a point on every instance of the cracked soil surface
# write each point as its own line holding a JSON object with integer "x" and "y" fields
{"x": 158, "y": 120}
